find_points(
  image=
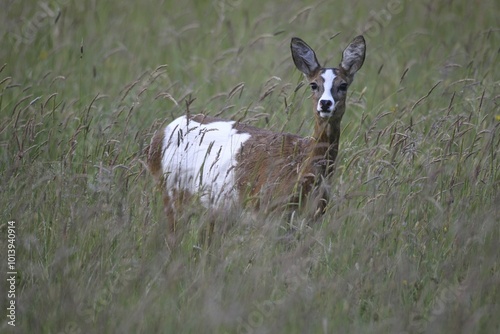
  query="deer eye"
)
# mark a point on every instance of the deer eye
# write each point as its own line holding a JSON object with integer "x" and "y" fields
{"x": 314, "y": 86}
{"x": 343, "y": 87}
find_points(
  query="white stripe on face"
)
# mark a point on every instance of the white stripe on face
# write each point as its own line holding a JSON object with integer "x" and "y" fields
{"x": 328, "y": 76}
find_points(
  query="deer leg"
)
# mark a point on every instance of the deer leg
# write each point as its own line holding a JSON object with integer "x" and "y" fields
{"x": 171, "y": 219}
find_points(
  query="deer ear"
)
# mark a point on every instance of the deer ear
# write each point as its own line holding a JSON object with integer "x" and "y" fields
{"x": 304, "y": 57}
{"x": 354, "y": 56}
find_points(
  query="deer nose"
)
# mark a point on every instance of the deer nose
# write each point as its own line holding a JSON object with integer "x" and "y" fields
{"x": 325, "y": 104}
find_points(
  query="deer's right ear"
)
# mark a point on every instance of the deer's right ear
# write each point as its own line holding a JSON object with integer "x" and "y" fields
{"x": 304, "y": 57}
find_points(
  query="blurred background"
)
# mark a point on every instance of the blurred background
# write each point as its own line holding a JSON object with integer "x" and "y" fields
{"x": 409, "y": 242}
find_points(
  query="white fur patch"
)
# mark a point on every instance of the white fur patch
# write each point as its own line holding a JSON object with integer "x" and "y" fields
{"x": 328, "y": 76}
{"x": 200, "y": 158}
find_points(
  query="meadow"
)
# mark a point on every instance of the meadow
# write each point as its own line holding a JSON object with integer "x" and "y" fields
{"x": 409, "y": 242}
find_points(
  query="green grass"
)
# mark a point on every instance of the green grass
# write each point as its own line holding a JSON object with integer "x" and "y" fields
{"x": 409, "y": 243}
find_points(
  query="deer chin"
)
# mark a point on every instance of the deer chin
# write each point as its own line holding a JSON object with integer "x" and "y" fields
{"x": 325, "y": 114}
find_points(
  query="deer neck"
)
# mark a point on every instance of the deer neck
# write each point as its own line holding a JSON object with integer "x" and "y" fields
{"x": 326, "y": 143}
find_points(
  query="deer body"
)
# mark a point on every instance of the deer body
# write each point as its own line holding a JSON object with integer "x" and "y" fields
{"x": 223, "y": 161}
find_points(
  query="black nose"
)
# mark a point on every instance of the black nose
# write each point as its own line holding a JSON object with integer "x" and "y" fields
{"x": 325, "y": 104}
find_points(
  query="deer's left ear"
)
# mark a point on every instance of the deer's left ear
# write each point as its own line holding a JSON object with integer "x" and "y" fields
{"x": 353, "y": 56}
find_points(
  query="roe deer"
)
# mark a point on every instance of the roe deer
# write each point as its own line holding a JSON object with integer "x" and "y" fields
{"x": 222, "y": 161}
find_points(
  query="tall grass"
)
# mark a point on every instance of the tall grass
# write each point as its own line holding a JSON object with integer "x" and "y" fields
{"x": 409, "y": 243}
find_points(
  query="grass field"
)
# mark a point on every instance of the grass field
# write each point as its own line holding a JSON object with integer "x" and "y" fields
{"x": 409, "y": 243}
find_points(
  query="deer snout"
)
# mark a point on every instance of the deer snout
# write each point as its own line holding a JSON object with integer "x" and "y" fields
{"x": 326, "y": 105}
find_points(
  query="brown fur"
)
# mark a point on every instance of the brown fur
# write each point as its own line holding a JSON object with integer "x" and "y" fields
{"x": 276, "y": 170}
{"x": 155, "y": 154}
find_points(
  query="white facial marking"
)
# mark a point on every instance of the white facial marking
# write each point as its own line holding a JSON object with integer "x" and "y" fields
{"x": 328, "y": 76}
{"x": 200, "y": 159}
